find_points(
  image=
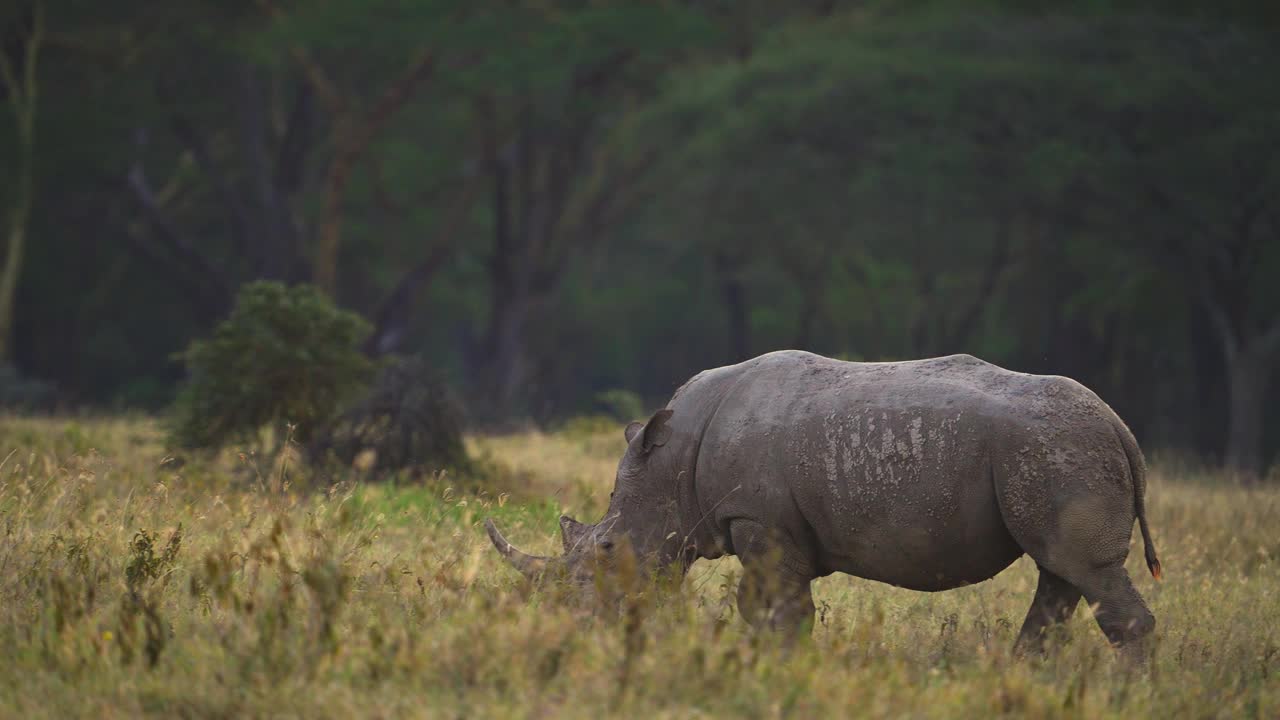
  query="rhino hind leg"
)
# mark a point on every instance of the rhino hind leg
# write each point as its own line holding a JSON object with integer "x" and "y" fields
{"x": 1119, "y": 610}
{"x": 774, "y": 593}
{"x": 1081, "y": 536}
{"x": 1055, "y": 602}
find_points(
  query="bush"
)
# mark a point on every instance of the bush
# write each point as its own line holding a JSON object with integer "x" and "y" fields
{"x": 408, "y": 421}
{"x": 23, "y": 394}
{"x": 285, "y": 355}
{"x": 621, "y": 405}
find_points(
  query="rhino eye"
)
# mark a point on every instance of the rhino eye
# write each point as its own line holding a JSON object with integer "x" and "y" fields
{"x": 607, "y": 546}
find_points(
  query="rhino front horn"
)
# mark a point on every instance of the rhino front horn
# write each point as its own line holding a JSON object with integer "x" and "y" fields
{"x": 531, "y": 566}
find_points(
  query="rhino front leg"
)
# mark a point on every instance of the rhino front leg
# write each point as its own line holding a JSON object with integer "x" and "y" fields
{"x": 1055, "y": 603}
{"x": 774, "y": 592}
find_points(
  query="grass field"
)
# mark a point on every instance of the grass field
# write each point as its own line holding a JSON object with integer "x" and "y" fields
{"x": 131, "y": 584}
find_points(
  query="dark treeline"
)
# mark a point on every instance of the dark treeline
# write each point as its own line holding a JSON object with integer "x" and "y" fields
{"x": 552, "y": 199}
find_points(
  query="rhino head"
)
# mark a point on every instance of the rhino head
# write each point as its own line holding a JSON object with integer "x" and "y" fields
{"x": 641, "y": 529}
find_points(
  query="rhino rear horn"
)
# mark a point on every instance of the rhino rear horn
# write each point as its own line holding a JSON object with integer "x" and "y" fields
{"x": 531, "y": 566}
{"x": 572, "y": 532}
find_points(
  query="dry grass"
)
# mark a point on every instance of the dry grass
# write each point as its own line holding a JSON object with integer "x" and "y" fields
{"x": 129, "y": 587}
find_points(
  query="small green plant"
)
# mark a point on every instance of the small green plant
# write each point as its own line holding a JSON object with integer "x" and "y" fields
{"x": 145, "y": 564}
{"x": 141, "y": 600}
{"x": 285, "y": 355}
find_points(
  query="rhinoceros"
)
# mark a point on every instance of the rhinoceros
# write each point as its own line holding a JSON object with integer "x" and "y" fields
{"x": 925, "y": 474}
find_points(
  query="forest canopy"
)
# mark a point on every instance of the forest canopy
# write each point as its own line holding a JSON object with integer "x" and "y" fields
{"x": 551, "y": 200}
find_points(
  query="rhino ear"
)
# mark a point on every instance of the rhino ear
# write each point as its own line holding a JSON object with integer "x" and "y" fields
{"x": 631, "y": 431}
{"x": 571, "y": 532}
{"x": 656, "y": 431}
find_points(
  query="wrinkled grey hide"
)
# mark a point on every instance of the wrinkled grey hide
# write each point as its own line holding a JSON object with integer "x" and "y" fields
{"x": 928, "y": 474}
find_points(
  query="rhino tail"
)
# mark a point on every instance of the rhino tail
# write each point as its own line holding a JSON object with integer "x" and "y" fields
{"x": 1138, "y": 472}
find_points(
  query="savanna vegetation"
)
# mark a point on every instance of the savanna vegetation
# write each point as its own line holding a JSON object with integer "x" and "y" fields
{"x": 225, "y": 588}
{"x": 294, "y": 294}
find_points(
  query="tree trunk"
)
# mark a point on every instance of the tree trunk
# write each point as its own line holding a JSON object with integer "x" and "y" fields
{"x": 735, "y": 305}
{"x": 1248, "y": 354}
{"x": 22, "y": 96}
{"x": 268, "y": 239}
{"x": 352, "y": 138}
{"x": 13, "y": 257}
{"x": 508, "y": 360}
{"x": 391, "y": 320}
{"x": 16, "y": 246}
{"x": 1248, "y": 375}
{"x": 808, "y": 317}
{"x": 335, "y": 191}
{"x": 502, "y": 362}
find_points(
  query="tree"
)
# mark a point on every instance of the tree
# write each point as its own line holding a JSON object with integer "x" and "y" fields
{"x": 353, "y": 131}
{"x": 549, "y": 106}
{"x": 281, "y": 166}
{"x": 548, "y": 200}
{"x": 1207, "y": 121}
{"x": 826, "y": 164}
{"x": 926, "y": 153}
{"x": 22, "y": 90}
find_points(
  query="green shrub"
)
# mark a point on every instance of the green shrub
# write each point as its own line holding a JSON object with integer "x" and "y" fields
{"x": 23, "y": 394}
{"x": 407, "y": 421}
{"x": 621, "y": 405}
{"x": 611, "y": 410}
{"x": 144, "y": 393}
{"x": 285, "y": 355}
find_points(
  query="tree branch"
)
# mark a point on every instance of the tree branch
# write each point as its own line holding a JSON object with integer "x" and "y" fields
{"x": 1269, "y": 342}
{"x": 564, "y": 161}
{"x": 315, "y": 73}
{"x": 853, "y": 264}
{"x": 605, "y": 193}
{"x": 178, "y": 245}
{"x": 10, "y": 79}
{"x": 211, "y": 305}
{"x": 23, "y": 94}
{"x": 352, "y": 144}
{"x": 195, "y": 142}
{"x": 272, "y": 237}
{"x": 392, "y": 315}
{"x": 995, "y": 267}
{"x": 381, "y": 196}
{"x": 392, "y": 99}
{"x": 1201, "y": 280}
{"x": 597, "y": 77}
{"x": 296, "y": 142}
{"x": 582, "y": 227}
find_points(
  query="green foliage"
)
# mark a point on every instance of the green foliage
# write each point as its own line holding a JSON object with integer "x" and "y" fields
{"x": 849, "y": 172}
{"x": 145, "y": 564}
{"x": 285, "y": 355}
{"x": 621, "y": 405}
{"x": 144, "y": 569}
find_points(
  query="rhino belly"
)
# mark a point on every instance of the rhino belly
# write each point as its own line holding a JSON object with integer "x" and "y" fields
{"x": 920, "y": 557}
{"x": 936, "y": 534}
